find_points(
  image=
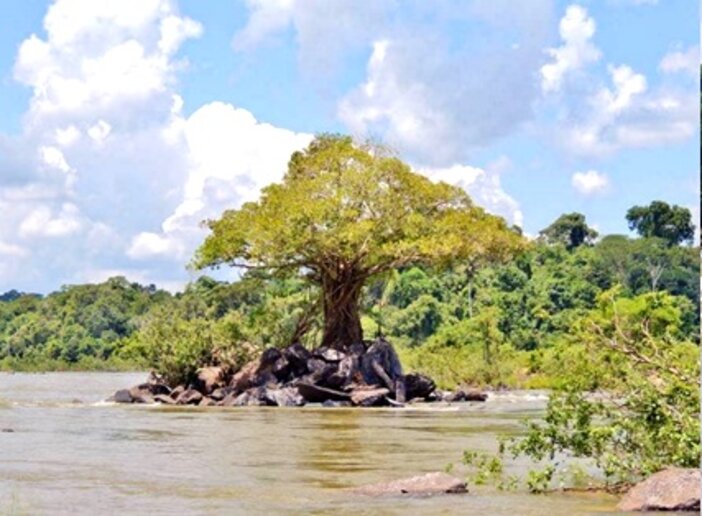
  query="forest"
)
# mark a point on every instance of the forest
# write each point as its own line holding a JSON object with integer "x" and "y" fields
{"x": 499, "y": 325}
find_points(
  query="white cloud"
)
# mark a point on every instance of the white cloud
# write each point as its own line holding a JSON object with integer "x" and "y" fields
{"x": 431, "y": 96}
{"x": 267, "y": 17}
{"x": 576, "y": 30}
{"x": 484, "y": 186}
{"x": 99, "y": 61}
{"x": 627, "y": 115}
{"x": 590, "y": 182}
{"x": 231, "y": 157}
{"x": 54, "y": 158}
{"x": 42, "y": 222}
{"x": 67, "y": 136}
{"x": 687, "y": 61}
{"x": 13, "y": 250}
{"x": 100, "y": 131}
{"x": 148, "y": 245}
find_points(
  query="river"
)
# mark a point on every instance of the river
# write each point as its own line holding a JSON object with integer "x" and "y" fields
{"x": 64, "y": 451}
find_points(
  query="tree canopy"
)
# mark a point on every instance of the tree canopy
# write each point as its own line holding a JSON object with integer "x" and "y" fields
{"x": 569, "y": 229}
{"x": 344, "y": 213}
{"x": 659, "y": 219}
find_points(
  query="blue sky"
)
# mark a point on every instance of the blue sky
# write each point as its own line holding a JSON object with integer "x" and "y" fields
{"x": 127, "y": 123}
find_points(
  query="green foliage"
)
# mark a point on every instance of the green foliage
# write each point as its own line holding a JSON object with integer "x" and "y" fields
{"x": 671, "y": 223}
{"x": 570, "y": 230}
{"x": 630, "y": 400}
{"x": 346, "y": 213}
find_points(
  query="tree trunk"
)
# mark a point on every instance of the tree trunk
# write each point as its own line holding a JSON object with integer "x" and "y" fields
{"x": 342, "y": 321}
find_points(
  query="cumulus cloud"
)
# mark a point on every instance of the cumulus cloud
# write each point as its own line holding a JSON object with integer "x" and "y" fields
{"x": 687, "y": 61}
{"x": 576, "y": 30}
{"x": 231, "y": 157}
{"x": 484, "y": 186}
{"x": 91, "y": 163}
{"x": 627, "y": 115}
{"x": 590, "y": 182}
{"x": 432, "y": 96}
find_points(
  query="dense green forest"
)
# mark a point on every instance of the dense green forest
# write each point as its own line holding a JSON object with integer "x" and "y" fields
{"x": 509, "y": 325}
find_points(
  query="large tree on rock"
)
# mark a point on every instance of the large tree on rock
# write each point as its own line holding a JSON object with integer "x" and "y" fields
{"x": 345, "y": 213}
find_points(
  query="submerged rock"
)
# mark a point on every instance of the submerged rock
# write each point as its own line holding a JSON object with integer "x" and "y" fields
{"x": 122, "y": 396}
{"x": 423, "y": 485}
{"x": 461, "y": 395}
{"x": 673, "y": 489}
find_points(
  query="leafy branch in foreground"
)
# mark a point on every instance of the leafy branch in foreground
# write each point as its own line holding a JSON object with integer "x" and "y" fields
{"x": 631, "y": 403}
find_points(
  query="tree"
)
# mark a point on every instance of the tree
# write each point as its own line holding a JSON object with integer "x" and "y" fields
{"x": 345, "y": 213}
{"x": 570, "y": 230}
{"x": 659, "y": 219}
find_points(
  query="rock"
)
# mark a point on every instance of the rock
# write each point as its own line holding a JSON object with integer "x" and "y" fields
{"x": 7, "y": 430}
{"x": 141, "y": 395}
{"x": 285, "y": 397}
{"x": 165, "y": 399}
{"x": 189, "y": 397}
{"x": 206, "y": 402}
{"x": 316, "y": 394}
{"x": 209, "y": 379}
{"x": 281, "y": 369}
{"x": 418, "y": 386}
{"x": 329, "y": 354}
{"x": 297, "y": 356}
{"x": 380, "y": 365}
{"x": 336, "y": 404}
{"x": 252, "y": 398}
{"x": 461, "y": 395}
{"x": 177, "y": 391}
{"x": 122, "y": 396}
{"x": 155, "y": 387}
{"x": 369, "y": 397}
{"x": 243, "y": 379}
{"x": 218, "y": 394}
{"x": 673, "y": 489}
{"x": 425, "y": 485}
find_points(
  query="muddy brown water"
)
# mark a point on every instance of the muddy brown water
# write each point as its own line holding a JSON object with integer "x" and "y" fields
{"x": 64, "y": 451}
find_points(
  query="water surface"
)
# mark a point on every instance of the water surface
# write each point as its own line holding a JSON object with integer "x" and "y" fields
{"x": 71, "y": 453}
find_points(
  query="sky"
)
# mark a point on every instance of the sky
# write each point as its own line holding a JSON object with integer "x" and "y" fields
{"x": 126, "y": 124}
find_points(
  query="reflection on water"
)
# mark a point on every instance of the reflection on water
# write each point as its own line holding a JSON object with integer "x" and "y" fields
{"x": 72, "y": 454}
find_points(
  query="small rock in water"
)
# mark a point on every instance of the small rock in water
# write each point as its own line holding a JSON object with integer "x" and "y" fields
{"x": 122, "y": 396}
{"x": 7, "y": 431}
{"x": 673, "y": 489}
{"x": 423, "y": 485}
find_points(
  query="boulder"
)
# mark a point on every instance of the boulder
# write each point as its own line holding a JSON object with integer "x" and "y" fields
{"x": 177, "y": 391}
{"x": 369, "y": 397}
{"x": 164, "y": 398}
{"x": 461, "y": 395}
{"x": 380, "y": 365}
{"x": 254, "y": 397}
{"x": 206, "y": 402}
{"x": 297, "y": 356}
{"x": 141, "y": 394}
{"x": 285, "y": 397}
{"x": 316, "y": 394}
{"x": 209, "y": 379}
{"x": 189, "y": 397}
{"x": 218, "y": 394}
{"x": 673, "y": 489}
{"x": 423, "y": 485}
{"x": 244, "y": 378}
{"x": 122, "y": 396}
{"x": 336, "y": 404}
{"x": 418, "y": 386}
{"x": 329, "y": 354}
